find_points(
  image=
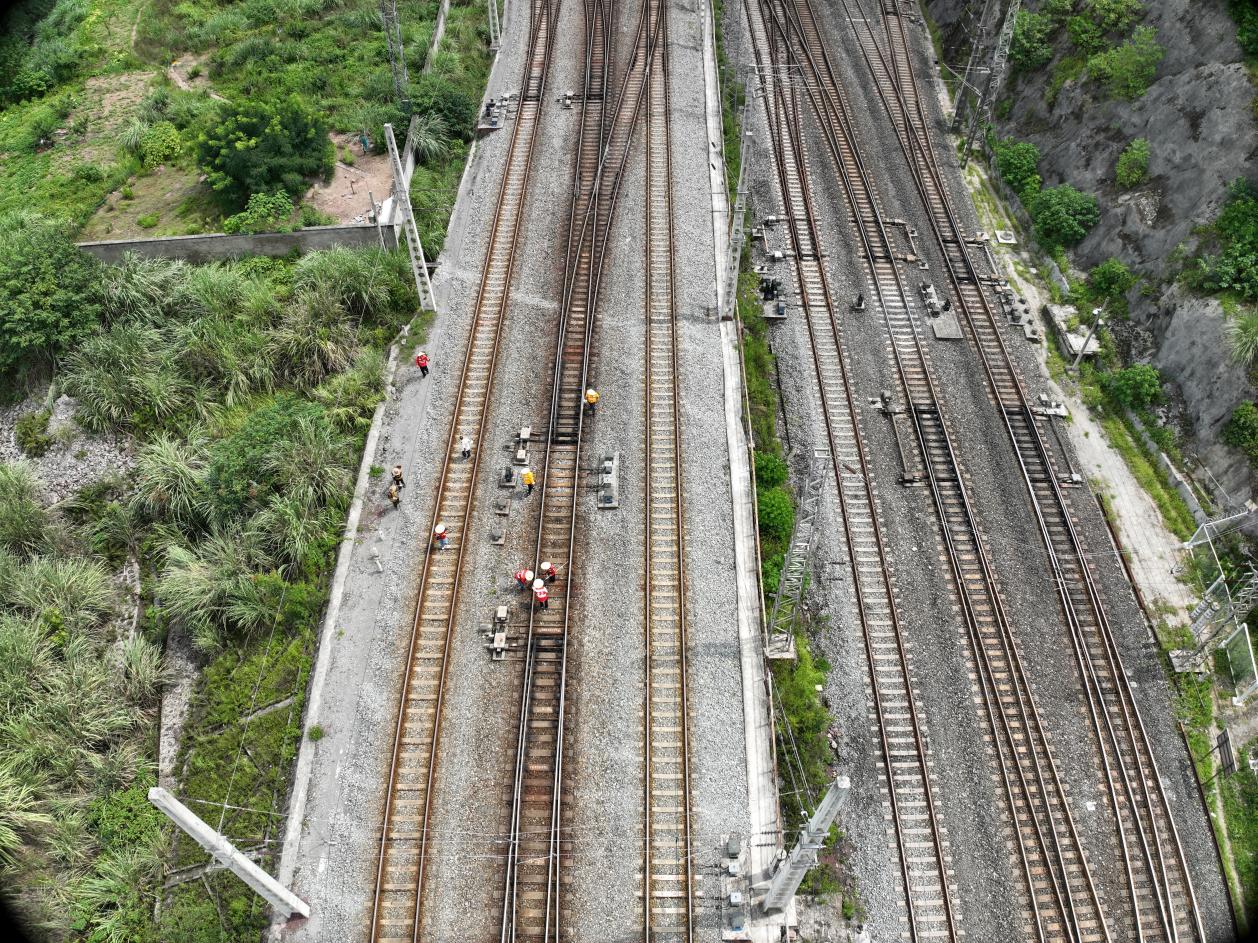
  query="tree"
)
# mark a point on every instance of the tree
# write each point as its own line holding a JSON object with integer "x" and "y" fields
{"x": 1114, "y": 16}
{"x": 264, "y": 146}
{"x": 1085, "y": 34}
{"x": 1111, "y": 280}
{"x": 1017, "y": 162}
{"x": 49, "y": 299}
{"x": 1128, "y": 70}
{"x": 1029, "y": 48}
{"x": 1134, "y": 387}
{"x": 1063, "y": 215}
{"x": 1133, "y": 164}
{"x": 265, "y": 212}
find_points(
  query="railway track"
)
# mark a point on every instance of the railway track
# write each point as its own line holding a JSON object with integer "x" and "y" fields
{"x": 666, "y": 867}
{"x": 918, "y": 834}
{"x": 401, "y": 859}
{"x": 1162, "y": 903}
{"x": 537, "y": 852}
{"x": 1060, "y": 898}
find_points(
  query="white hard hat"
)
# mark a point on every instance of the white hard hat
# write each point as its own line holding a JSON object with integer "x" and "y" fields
{"x": 439, "y": 528}
{"x": 538, "y": 583}
{"x": 528, "y": 575}
{"x": 545, "y": 566}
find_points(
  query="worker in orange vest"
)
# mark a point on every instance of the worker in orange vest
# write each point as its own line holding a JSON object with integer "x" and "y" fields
{"x": 523, "y": 578}
{"x": 421, "y": 361}
{"x": 529, "y": 479}
{"x": 540, "y": 595}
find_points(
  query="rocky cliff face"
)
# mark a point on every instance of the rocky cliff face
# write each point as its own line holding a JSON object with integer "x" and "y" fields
{"x": 1198, "y": 117}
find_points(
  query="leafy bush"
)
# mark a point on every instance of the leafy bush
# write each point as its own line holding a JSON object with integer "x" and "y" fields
{"x": 1135, "y": 386}
{"x": 457, "y": 108}
{"x": 1115, "y": 16}
{"x": 1110, "y": 280}
{"x": 148, "y": 220}
{"x": 50, "y": 299}
{"x": 1017, "y": 162}
{"x": 1235, "y": 266}
{"x": 88, "y": 173}
{"x": 265, "y": 212}
{"x": 1086, "y": 34}
{"x": 1133, "y": 164}
{"x": 262, "y": 146}
{"x": 1059, "y": 10}
{"x": 775, "y": 513}
{"x": 771, "y": 471}
{"x": 160, "y": 144}
{"x": 1128, "y": 70}
{"x": 31, "y": 433}
{"x": 1030, "y": 48}
{"x": 1245, "y": 13}
{"x": 1063, "y": 215}
{"x": 1241, "y": 430}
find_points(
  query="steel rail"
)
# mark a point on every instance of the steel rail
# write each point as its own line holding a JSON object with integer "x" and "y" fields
{"x": 918, "y": 840}
{"x": 1096, "y": 651}
{"x": 400, "y": 865}
{"x": 1033, "y": 791}
{"x": 668, "y": 893}
{"x": 532, "y": 889}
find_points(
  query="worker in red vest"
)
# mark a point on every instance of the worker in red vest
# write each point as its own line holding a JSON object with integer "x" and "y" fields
{"x": 442, "y": 536}
{"x": 548, "y": 572}
{"x": 421, "y": 361}
{"x": 523, "y": 578}
{"x": 540, "y": 595}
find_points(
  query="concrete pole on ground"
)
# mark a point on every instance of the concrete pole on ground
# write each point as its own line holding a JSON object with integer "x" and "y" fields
{"x": 804, "y": 855}
{"x": 225, "y": 853}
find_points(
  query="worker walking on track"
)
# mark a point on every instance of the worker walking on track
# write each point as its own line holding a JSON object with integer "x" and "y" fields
{"x": 465, "y": 445}
{"x": 591, "y": 399}
{"x": 395, "y": 495}
{"x": 523, "y": 578}
{"x": 529, "y": 479}
{"x": 548, "y": 572}
{"x": 421, "y": 361}
{"x": 398, "y": 480}
{"x": 540, "y": 595}
{"x": 442, "y": 536}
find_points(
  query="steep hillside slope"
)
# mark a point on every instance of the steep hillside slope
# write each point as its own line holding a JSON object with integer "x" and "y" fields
{"x": 1198, "y": 117}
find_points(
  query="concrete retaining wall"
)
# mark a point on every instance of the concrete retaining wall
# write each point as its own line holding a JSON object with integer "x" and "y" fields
{"x": 218, "y": 246}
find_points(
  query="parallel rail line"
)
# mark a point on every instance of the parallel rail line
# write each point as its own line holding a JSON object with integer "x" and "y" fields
{"x": 919, "y": 837}
{"x": 1163, "y": 904}
{"x": 537, "y": 851}
{"x": 666, "y": 866}
{"x": 1062, "y": 901}
{"x": 400, "y": 869}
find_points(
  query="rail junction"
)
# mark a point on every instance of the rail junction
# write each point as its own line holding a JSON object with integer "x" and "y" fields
{"x": 489, "y": 824}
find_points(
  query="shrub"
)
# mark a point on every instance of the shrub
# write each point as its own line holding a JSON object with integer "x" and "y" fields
{"x": 265, "y": 212}
{"x": 775, "y": 513}
{"x": 1245, "y": 13}
{"x": 1029, "y": 48}
{"x": 770, "y": 470}
{"x": 1241, "y": 430}
{"x": 1059, "y": 10}
{"x": 31, "y": 433}
{"x": 1134, "y": 387}
{"x": 1111, "y": 280}
{"x": 437, "y": 95}
{"x": 1133, "y": 164}
{"x": 148, "y": 220}
{"x": 1128, "y": 70}
{"x": 1235, "y": 267}
{"x": 1115, "y": 16}
{"x": 50, "y": 299}
{"x": 1242, "y": 337}
{"x": 88, "y": 173}
{"x": 1017, "y": 162}
{"x": 1086, "y": 34}
{"x": 160, "y": 144}
{"x": 1063, "y": 215}
{"x": 311, "y": 216}
{"x": 23, "y": 520}
{"x": 261, "y": 147}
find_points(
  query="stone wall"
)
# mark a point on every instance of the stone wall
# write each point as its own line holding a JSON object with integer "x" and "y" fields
{"x": 215, "y": 247}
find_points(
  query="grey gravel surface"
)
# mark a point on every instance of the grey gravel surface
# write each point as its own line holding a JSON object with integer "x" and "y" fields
{"x": 75, "y": 459}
